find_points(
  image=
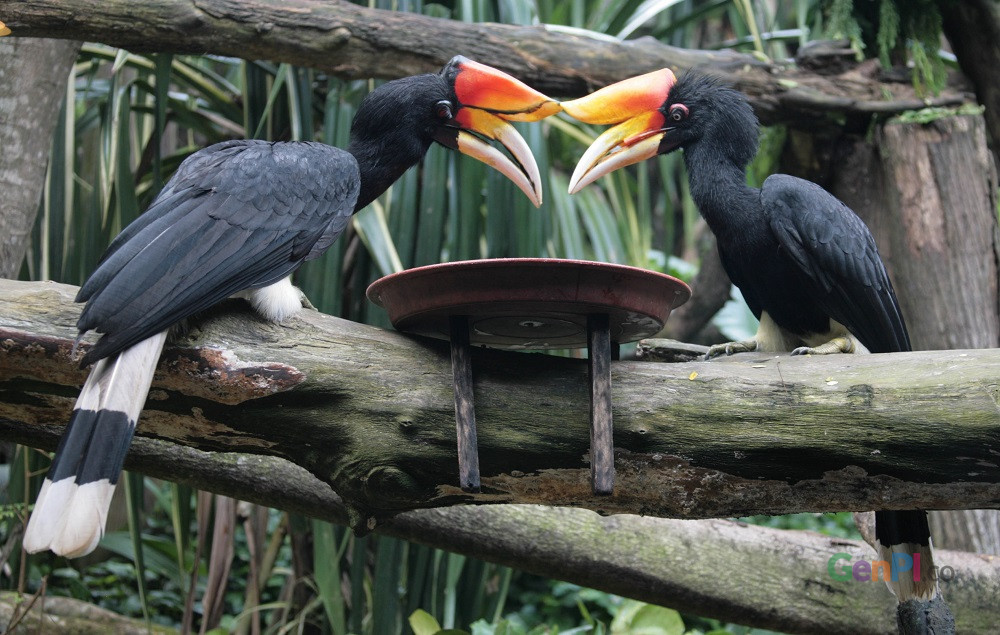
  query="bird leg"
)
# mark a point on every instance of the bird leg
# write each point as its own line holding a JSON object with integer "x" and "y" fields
{"x": 843, "y": 344}
{"x": 731, "y": 348}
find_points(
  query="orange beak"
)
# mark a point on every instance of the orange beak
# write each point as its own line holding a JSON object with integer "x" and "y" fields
{"x": 488, "y": 100}
{"x": 4, "y": 30}
{"x": 633, "y": 104}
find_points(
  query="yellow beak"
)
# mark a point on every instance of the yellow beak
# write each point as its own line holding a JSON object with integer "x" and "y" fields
{"x": 634, "y": 105}
{"x": 489, "y": 99}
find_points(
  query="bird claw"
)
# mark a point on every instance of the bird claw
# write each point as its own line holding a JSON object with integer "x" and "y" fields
{"x": 306, "y": 304}
{"x": 836, "y": 345}
{"x": 731, "y": 348}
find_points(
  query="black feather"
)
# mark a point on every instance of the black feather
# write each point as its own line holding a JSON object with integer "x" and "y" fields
{"x": 836, "y": 264}
{"x": 237, "y": 215}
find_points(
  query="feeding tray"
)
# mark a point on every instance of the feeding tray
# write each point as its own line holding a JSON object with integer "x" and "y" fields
{"x": 531, "y": 303}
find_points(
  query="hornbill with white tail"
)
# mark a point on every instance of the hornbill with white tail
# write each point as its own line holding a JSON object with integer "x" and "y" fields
{"x": 806, "y": 264}
{"x": 238, "y": 218}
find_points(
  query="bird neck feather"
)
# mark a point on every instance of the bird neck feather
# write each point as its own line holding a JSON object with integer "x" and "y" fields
{"x": 719, "y": 189}
{"x": 379, "y": 167}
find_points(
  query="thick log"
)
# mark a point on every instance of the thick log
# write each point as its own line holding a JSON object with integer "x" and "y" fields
{"x": 346, "y": 392}
{"x": 354, "y": 42}
{"x": 371, "y": 413}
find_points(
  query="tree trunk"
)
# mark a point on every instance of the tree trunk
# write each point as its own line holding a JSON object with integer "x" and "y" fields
{"x": 928, "y": 192}
{"x": 973, "y": 31}
{"x": 33, "y": 75}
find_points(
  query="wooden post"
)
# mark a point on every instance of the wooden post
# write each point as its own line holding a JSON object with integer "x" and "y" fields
{"x": 602, "y": 445}
{"x": 465, "y": 405}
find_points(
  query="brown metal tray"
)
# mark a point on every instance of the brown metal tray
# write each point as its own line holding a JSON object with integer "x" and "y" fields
{"x": 529, "y": 303}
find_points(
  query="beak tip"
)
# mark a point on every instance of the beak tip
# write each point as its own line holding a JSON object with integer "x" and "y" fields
{"x": 536, "y": 198}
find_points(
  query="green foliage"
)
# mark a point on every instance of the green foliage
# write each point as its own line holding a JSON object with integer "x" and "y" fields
{"x": 899, "y": 31}
{"x": 921, "y": 22}
{"x": 927, "y": 115}
{"x": 841, "y": 23}
{"x": 839, "y": 525}
{"x": 888, "y": 31}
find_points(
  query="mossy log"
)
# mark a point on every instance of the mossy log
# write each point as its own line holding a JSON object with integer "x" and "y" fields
{"x": 370, "y": 412}
{"x": 20, "y": 614}
{"x": 249, "y": 409}
{"x": 355, "y": 42}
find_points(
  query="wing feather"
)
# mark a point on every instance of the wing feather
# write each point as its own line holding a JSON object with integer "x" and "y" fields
{"x": 237, "y": 215}
{"x": 836, "y": 254}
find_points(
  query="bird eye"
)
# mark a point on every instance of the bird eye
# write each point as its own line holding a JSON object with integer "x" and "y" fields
{"x": 678, "y": 112}
{"x": 443, "y": 109}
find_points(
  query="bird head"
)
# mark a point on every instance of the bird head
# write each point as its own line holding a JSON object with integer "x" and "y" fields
{"x": 656, "y": 114}
{"x": 464, "y": 107}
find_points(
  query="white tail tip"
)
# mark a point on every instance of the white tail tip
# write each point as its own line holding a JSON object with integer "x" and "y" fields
{"x": 69, "y": 519}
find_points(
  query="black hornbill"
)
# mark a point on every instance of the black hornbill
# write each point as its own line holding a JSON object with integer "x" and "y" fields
{"x": 238, "y": 218}
{"x": 806, "y": 264}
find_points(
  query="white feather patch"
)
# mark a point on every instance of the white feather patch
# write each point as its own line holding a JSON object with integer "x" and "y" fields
{"x": 905, "y": 587}
{"x": 275, "y": 302}
{"x": 45, "y": 516}
{"x": 125, "y": 386}
{"x": 82, "y": 523}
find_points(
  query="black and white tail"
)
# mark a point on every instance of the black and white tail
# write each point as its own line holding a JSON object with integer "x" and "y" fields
{"x": 72, "y": 506}
{"x": 921, "y": 608}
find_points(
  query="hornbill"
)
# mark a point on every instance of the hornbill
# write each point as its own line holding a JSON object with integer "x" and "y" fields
{"x": 237, "y": 218}
{"x": 806, "y": 264}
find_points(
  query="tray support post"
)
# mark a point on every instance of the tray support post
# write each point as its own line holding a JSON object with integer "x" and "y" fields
{"x": 465, "y": 408}
{"x": 602, "y": 450}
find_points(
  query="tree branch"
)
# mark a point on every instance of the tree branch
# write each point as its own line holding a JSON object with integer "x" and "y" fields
{"x": 354, "y": 42}
{"x": 371, "y": 413}
{"x": 32, "y": 72}
{"x": 715, "y": 568}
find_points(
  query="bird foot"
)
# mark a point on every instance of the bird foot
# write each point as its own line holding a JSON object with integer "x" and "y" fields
{"x": 731, "y": 348}
{"x": 836, "y": 345}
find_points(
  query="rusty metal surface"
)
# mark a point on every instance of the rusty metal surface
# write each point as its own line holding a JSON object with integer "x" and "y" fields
{"x": 529, "y": 303}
